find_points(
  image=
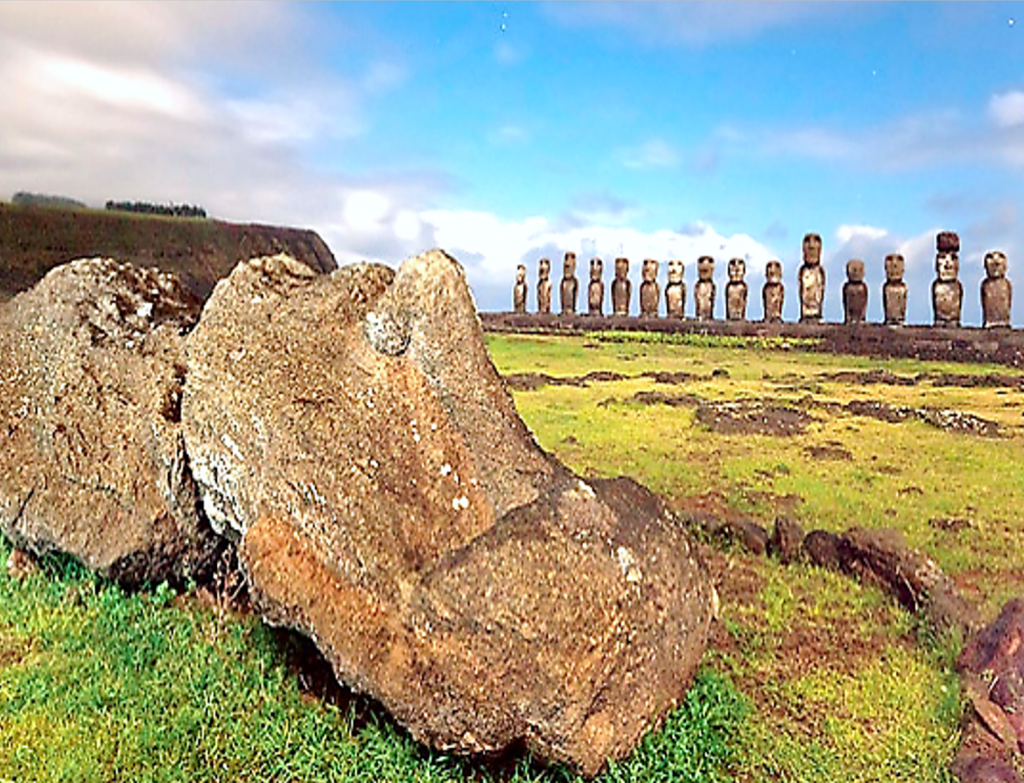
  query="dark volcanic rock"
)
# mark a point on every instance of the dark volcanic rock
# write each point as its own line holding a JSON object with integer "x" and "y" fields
{"x": 787, "y": 538}
{"x": 92, "y": 458}
{"x": 352, "y": 431}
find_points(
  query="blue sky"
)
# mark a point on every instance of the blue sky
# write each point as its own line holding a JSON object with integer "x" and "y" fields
{"x": 506, "y": 131}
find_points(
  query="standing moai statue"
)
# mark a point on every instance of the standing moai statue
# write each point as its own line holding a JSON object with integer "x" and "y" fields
{"x": 812, "y": 280}
{"x": 622, "y": 289}
{"x": 894, "y": 292}
{"x": 773, "y": 293}
{"x": 736, "y": 291}
{"x": 704, "y": 289}
{"x": 675, "y": 290}
{"x": 570, "y": 285}
{"x": 855, "y": 293}
{"x": 650, "y": 291}
{"x": 996, "y": 291}
{"x": 595, "y": 291}
{"x": 520, "y": 290}
{"x": 544, "y": 286}
{"x": 947, "y": 292}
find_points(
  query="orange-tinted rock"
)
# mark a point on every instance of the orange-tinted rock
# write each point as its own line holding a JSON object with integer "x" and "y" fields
{"x": 391, "y": 505}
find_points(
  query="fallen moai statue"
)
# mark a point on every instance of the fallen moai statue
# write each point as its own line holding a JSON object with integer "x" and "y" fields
{"x": 92, "y": 459}
{"x": 352, "y": 434}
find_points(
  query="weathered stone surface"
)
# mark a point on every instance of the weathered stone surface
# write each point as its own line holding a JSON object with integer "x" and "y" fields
{"x": 391, "y": 504}
{"x": 812, "y": 280}
{"x": 92, "y": 458}
{"x": 650, "y": 291}
{"x": 773, "y": 293}
{"x": 787, "y": 539}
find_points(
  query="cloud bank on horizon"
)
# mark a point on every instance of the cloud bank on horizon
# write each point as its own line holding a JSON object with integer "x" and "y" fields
{"x": 504, "y": 133}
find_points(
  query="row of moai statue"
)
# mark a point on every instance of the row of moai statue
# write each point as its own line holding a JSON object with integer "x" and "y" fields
{"x": 947, "y": 291}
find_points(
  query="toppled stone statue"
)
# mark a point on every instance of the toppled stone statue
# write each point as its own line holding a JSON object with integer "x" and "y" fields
{"x": 92, "y": 456}
{"x": 520, "y": 290}
{"x": 894, "y": 292}
{"x": 544, "y": 286}
{"x": 353, "y": 433}
{"x": 570, "y": 285}
{"x": 855, "y": 293}
{"x": 736, "y": 291}
{"x": 675, "y": 290}
{"x": 812, "y": 280}
{"x": 947, "y": 292}
{"x": 704, "y": 289}
{"x": 773, "y": 293}
{"x": 595, "y": 291}
{"x": 650, "y": 293}
{"x": 622, "y": 288}
{"x": 996, "y": 291}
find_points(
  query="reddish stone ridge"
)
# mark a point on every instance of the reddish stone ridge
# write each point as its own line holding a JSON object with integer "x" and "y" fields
{"x": 392, "y": 505}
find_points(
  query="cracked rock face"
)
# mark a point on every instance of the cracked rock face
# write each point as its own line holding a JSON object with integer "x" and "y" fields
{"x": 352, "y": 433}
{"x": 92, "y": 458}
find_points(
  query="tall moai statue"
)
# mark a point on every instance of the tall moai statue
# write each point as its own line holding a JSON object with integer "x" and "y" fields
{"x": 855, "y": 293}
{"x": 570, "y": 285}
{"x": 704, "y": 289}
{"x": 675, "y": 290}
{"x": 520, "y": 290}
{"x": 773, "y": 293}
{"x": 622, "y": 289}
{"x": 947, "y": 292}
{"x": 544, "y": 286}
{"x": 812, "y": 280}
{"x": 894, "y": 292}
{"x": 996, "y": 291}
{"x": 595, "y": 291}
{"x": 736, "y": 291}
{"x": 650, "y": 291}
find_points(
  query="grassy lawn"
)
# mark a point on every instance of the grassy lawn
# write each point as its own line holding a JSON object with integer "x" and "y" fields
{"x": 808, "y": 676}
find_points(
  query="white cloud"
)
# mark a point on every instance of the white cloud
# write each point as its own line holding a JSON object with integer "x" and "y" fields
{"x": 848, "y": 233}
{"x": 652, "y": 154}
{"x": 1007, "y": 109}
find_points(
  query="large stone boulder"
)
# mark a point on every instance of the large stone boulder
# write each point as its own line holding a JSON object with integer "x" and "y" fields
{"x": 92, "y": 459}
{"x": 352, "y": 433}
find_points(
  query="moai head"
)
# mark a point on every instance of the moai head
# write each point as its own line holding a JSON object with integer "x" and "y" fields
{"x": 773, "y": 272}
{"x": 543, "y": 269}
{"x": 855, "y": 270}
{"x": 812, "y": 249}
{"x": 705, "y": 268}
{"x": 947, "y": 267}
{"x": 650, "y": 270}
{"x": 737, "y": 270}
{"x": 621, "y": 268}
{"x": 569, "y": 265}
{"x": 894, "y": 267}
{"x": 675, "y": 271}
{"x": 995, "y": 264}
{"x": 596, "y": 268}
{"x": 947, "y": 242}
{"x": 520, "y": 274}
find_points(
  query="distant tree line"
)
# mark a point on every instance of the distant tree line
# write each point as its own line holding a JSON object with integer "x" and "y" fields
{"x": 173, "y": 210}
{"x": 25, "y": 199}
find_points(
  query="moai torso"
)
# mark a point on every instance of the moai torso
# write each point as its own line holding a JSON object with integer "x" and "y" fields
{"x": 773, "y": 293}
{"x": 736, "y": 291}
{"x": 519, "y": 292}
{"x": 894, "y": 292}
{"x": 650, "y": 292}
{"x": 622, "y": 289}
{"x": 570, "y": 285}
{"x": 675, "y": 291}
{"x": 812, "y": 280}
{"x": 544, "y": 286}
{"x": 947, "y": 292}
{"x": 704, "y": 289}
{"x": 595, "y": 291}
{"x": 996, "y": 292}
{"x": 855, "y": 293}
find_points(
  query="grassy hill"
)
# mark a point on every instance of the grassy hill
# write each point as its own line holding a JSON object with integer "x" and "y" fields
{"x": 33, "y": 240}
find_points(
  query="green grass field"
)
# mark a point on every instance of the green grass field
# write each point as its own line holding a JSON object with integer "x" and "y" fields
{"x": 808, "y": 677}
